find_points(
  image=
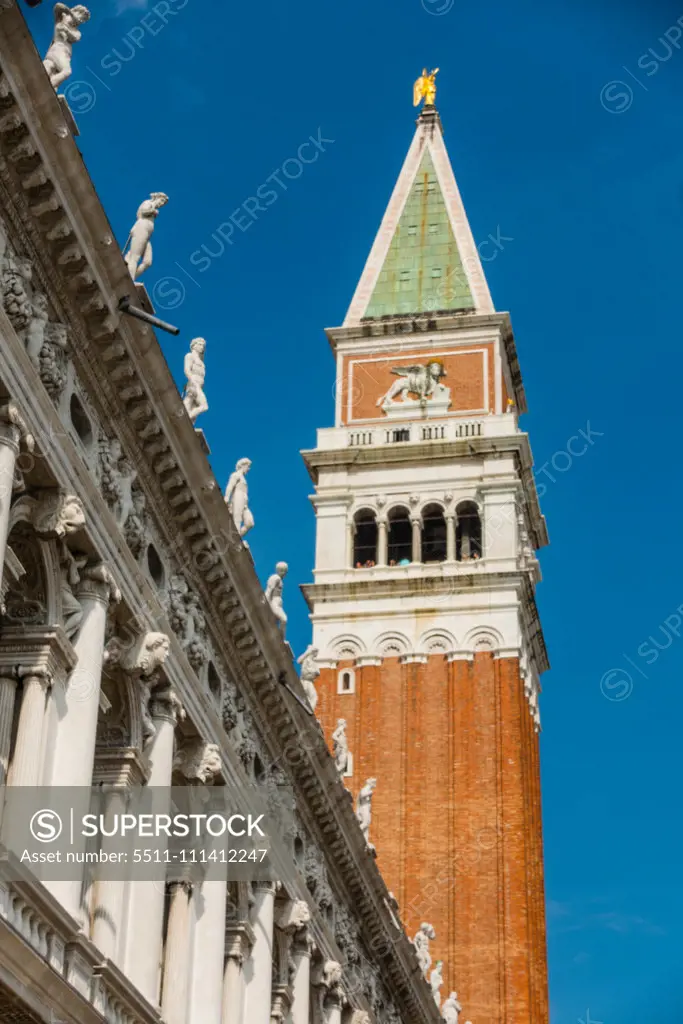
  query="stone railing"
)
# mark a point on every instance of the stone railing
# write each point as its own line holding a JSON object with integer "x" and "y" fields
{"x": 416, "y": 433}
{"x": 28, "y": 910}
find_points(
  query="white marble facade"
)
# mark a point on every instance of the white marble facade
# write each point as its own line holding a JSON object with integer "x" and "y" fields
{"x": 127, "y": 656}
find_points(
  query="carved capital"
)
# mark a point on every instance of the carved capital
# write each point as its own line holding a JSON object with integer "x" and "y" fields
{"x": 327, "y": 974}
{"x": 141, "y": 656}
{"x": 293, "y": 915}
{"x": 98, "y": 583}
{"x": 198, "y": 761}
{"x": 37, "y": 651}
{"x": 164, "y": 704}
{"x": 52, "y": 513}
{"x": 13, "y": 428}
{"x": 40, "y": 672}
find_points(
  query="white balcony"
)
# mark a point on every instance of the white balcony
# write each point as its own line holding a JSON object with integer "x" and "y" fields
{"x": 410, "y": 432}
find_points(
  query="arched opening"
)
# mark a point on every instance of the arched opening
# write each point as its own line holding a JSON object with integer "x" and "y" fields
{"x": 299, "y": 851}
{"x": 155, "y": 565}
{"x": 364, "y": 539}
{"x": 214, "y": 684}
{"x": 259, "y": 770}
{"x": 467, "y": 532}
{"x": 433, "y": 534}
{"x": 80, "y": 420}
{"x": 400, "y": 537}
{"x": 346, "y": 680}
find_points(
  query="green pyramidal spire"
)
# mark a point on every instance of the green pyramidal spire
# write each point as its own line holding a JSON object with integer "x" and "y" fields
{"x": 423, "y": 271}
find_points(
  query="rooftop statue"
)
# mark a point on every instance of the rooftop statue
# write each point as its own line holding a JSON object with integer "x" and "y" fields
{"x": 274, "y": 595}
{"x": 425, "y": 88}
{"x": 139, "y": 256}
{"x": 57, "y": 61}
{"x": 194, "y": 398}
{"x": 237, "y": 497}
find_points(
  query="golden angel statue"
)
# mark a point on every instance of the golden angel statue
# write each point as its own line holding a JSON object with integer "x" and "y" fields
{"x": 425, "y": 88}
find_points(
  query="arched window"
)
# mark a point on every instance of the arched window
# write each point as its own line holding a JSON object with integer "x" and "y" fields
{"x": 155, "y": 565}
{"x": 364, "y": 539}
{"x": 400, "y": 537}
{"x": 80, "y": 420}
{"x": 346, "y": 681}
{"x": 467, "y": 532}
{"x": 214, "y": 683}
{"x": 433, "y": 534}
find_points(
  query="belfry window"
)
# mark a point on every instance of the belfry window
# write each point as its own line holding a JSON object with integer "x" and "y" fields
{"x": 346, "y": 681}
{"x": 364, "y": 539}
{"x": 400, "y": 537}
{"x": 433, "y": 534}
{"x": 467, "y": 532}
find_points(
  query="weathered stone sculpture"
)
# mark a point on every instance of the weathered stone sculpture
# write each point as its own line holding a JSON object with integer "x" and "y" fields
{"x": 194, "y": 398}
{"x": 274, "y": 595}
{"x": 425, "y": 935}
{"x": 53, "y": 513}
{"x": 364, "y": 808}
{"x": 187, "y": 621}
{"x": 115, "y": 477}
{"x": 35, "y": 333}
{"x": 16, "y": 276}
{"x": 139, "y": 256}
{"x": 72, "y": 612}
{"x": 436, "y": 981}
{"x": 57, "y": 61}
{"x": 309, "y": 674}
{"x": 237, "y": 497}
{"x": 451, "y": 1009}
{"x": 341, "y": 746}
{"x": 198, "y": 761}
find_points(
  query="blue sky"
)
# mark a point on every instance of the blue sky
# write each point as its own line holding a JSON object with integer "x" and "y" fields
{"x": 586, "y": 180}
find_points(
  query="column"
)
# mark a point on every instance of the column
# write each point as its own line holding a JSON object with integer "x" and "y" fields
{"x": 8, "y": 688}
{"x": 382, "y": 541}
{"x": 206, "y": 997}
{"x": 147, "y": 898}
{"x": 350, "y": 541}
{"x": 26, "y": 761}
{"x": 11, "y": 425}
{"x": 301, "y": 980}
{"x": 239, "y": 940}
{"x": 450, "y": 536}
{"x": 260, "y": 966}
{"x": 110, "y": 892}
{"x": 77, "y": 706}
{"x": 417, "y": 539}
{"x": 74, "y": 754}
{"x": 326, "y": 979}
{"x": 177, "y": 955}
{"x": 332, "y": 1007}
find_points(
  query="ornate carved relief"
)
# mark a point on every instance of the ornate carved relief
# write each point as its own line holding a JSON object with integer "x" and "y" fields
{"x": 115, "y": 477}
{"x": 187, "y": 621}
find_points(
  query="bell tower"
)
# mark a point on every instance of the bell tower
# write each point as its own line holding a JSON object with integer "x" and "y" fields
{"x": 423, "y": 604}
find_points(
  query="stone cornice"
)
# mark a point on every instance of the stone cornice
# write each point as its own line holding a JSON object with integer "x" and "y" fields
{"x": 58, "y": 214}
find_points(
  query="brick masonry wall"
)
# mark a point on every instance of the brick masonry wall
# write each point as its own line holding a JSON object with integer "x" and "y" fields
{"x": 456, "y": 819}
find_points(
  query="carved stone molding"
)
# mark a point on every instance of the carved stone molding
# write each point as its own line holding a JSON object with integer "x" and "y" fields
{"x": 36, "y": 651}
